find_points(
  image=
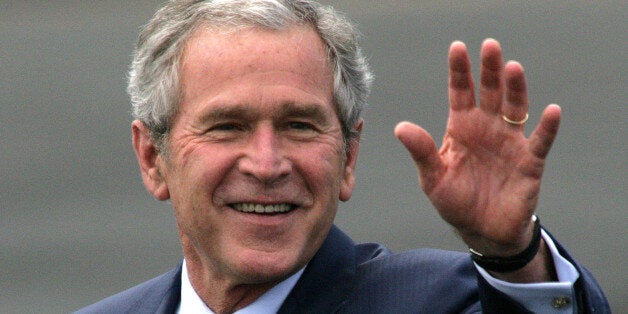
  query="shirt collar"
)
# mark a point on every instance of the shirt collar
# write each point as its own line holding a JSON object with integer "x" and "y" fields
{"x": 269, "y": 302}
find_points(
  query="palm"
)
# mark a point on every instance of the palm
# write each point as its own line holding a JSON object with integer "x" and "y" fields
{"x": 483, "y": 176}
{"x": 486, "y": 177}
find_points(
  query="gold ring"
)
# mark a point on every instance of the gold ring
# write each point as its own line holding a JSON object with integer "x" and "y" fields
{"x": 520, "y": 122}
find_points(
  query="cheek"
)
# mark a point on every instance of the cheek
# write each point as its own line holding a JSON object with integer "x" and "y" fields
{"x": 323, "y": 171}
{"x": 193, "y": 183}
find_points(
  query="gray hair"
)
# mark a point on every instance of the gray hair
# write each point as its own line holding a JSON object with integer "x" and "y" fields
{"x": 154, "y": 73}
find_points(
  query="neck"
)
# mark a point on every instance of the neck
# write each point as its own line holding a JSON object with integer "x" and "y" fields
{"x": 222, "y": 294}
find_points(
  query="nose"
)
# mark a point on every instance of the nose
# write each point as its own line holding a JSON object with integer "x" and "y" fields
{"x": 264, "y": 158}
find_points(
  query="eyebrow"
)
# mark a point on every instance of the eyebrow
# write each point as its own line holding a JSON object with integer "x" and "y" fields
{"x": 315, "y": 112}
{"x": 311, "y": 111}
{"x": 226, "y": 113}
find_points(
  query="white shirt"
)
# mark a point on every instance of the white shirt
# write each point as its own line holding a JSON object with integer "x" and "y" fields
{"x": 536, "y": 297}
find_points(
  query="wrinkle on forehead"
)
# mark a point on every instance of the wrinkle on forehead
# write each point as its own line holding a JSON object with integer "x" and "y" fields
{"x": 301, "y": 42}
{"x": 213, "y": 59}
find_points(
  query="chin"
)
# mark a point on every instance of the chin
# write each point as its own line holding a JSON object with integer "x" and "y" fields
{"x": 269, "y": 267}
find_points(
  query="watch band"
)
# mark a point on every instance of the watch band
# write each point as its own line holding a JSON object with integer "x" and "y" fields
{"x": 511, "y": 263}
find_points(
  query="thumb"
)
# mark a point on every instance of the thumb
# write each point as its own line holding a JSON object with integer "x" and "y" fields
{"x": 423, "y": 150}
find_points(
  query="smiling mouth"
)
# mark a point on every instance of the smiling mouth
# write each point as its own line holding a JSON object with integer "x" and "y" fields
{"x": 263, "y": 209}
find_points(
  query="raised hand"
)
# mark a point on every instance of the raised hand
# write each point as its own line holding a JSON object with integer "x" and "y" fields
{"x": 485, "y": 179}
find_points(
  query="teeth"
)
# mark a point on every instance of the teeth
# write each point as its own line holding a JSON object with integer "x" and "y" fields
{"x": 259, "y": 208}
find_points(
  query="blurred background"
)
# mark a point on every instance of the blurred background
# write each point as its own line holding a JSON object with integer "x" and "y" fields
{"x": 77, "y": 225}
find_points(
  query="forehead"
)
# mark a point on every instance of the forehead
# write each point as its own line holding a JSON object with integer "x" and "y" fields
{"x": 214, "y": 56}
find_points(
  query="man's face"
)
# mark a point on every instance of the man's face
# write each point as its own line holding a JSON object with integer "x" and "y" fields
{"x": 256, "y": 161}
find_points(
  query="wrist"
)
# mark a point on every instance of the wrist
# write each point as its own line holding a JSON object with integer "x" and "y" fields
{"x": 504, "y": 264}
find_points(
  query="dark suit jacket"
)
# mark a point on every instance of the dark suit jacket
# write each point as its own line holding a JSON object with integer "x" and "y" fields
{"x": 367, "y": 278}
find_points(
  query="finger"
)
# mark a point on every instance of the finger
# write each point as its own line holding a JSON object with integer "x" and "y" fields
{"x": 515, "y": 107}
{"x": 423, "y": 150}
{"x": 543, "y": 136}
{"x": 491, "y": 79}
{"x": 461, "y": 95}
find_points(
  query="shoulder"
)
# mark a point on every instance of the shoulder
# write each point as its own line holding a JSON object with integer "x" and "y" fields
{"x": 372, "y": 257}
{"x": 148, "y": 297}
{"x": 414, "y": 278}
{"x": 375, "y": 262}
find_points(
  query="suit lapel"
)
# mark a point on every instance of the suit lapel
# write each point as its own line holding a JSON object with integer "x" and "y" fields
{"x": 328, "y": 278}
{"x": 168, "y": 301}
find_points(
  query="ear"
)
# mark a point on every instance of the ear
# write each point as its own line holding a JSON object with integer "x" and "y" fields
{"x": 150, "y": 161}
{"x": 348, "y": 180}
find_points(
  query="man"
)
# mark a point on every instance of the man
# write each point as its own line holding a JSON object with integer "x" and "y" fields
{"x": 248, "y": 117}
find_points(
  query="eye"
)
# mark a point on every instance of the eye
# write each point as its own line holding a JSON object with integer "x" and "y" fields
{"x": 225, "y": 127}
{"x": 299, "y": 125}
{"x": 224, "y": 131}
